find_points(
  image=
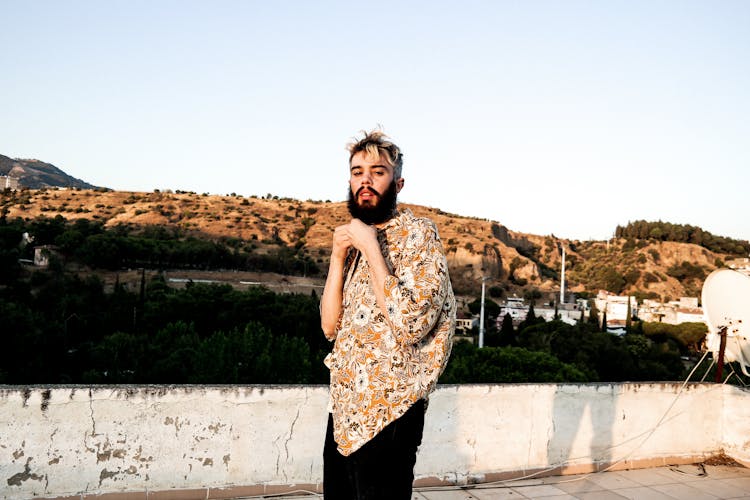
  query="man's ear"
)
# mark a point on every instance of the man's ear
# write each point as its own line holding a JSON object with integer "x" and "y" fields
{"x": 399, "y": 184}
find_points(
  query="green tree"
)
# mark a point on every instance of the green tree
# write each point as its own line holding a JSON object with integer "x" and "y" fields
{"x": 507, "y": 332}
{"x": 469, "y": 364}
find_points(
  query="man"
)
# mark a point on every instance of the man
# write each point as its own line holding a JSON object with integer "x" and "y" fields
{"x": 389, "y": 306}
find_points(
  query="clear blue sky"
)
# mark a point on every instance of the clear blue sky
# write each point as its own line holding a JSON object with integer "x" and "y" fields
{"x": 563, "y": 117}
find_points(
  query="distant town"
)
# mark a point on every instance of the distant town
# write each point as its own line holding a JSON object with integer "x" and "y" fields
{"x": 610, "y": 307}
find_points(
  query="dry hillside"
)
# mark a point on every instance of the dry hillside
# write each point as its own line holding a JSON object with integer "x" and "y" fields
{"x": 514, "y": 262}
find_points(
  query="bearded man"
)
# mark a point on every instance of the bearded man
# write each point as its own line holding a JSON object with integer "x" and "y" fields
{"x": 388, "y": 304}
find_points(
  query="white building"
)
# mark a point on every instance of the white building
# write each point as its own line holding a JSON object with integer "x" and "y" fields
{"x": 516, "y": 307}
{"x": 616, "y": 307}
{"x": 742, "y": 265}
{"x": 567, "y": 313}
{"x": 685, "y": 310}
{"x": 8, "y": 182}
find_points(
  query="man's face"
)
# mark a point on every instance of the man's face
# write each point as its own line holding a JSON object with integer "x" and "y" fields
{"x": 372, "y": 188}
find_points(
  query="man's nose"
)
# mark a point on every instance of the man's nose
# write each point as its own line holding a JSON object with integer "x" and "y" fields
{"x": 366, "y": 179}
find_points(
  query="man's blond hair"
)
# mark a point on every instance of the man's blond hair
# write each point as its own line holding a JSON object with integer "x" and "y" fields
{"x": 375, "y": 143}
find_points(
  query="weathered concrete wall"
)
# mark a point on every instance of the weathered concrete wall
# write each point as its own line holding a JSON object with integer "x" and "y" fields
{"x": 104, "y": 439}
{"x": 221, "y": 441}
{"x": 736, "y": 424}
{"x": 476, "y": 433}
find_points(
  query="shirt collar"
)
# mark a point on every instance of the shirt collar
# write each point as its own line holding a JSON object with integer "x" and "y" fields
{"x": 397, "y": 220}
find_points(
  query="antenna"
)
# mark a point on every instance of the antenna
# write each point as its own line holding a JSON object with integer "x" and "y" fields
{"x": 562, "y": 279}
{"x": 726, "y": 306}
{"x": 481, "y": 316}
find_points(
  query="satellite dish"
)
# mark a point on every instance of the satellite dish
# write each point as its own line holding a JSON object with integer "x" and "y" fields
{"x": 726, "y": 305}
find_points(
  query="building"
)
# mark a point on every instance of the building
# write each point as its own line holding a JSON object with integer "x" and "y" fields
{"x": 42, "y": 254}
{"x": 8, "y": 182}
{"x": 616, "y": 307}
{"x": 567, "y": 313}
{"x": 685, "y": 310}
{"x": 464, "y": 325}
{"x": 742, "y": 265}
{"x": 570, "y": 313}
{"x": 516, "y": 307}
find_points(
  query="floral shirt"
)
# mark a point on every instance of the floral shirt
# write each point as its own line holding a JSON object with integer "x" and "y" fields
{"x": 379, "y": 372}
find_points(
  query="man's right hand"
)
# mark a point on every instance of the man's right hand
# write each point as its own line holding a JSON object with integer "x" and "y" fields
{"x": 342, "y": 241}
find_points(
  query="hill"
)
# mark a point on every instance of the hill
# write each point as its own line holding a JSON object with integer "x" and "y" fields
{"x": 515, "y": 263}
{"x": 35, "y": 174}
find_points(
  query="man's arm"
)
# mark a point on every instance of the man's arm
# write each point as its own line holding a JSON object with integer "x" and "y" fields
{"x": 332, "y": 299}
{"x": 365, "y": 239}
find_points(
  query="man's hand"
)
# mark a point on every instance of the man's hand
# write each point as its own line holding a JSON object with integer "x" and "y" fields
{"x": 362, "y": 236}
{"x": 341, "y": 242}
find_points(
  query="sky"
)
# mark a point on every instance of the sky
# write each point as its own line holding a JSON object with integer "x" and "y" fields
{"x": 549, "y": 117}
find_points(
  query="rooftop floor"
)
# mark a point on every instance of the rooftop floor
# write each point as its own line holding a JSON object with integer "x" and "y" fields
{"x": 684, "y": 482}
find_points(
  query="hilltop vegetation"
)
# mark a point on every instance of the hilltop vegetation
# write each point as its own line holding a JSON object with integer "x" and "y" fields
{"x": 683, "y": 233}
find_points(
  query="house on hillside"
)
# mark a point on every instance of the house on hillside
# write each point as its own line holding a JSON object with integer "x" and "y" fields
{"x": 464, "y": 326}
{"x": 8, "y": 182}
{"x": 567, "y": 313}
{"x": 516, "y": 307}
{"x": 742, "y": 265}
{"x": 570, "y": 313}
{"x": 685, "y": 310}
{"x": 43, "y": 253}
{"x": 616, "y": 307}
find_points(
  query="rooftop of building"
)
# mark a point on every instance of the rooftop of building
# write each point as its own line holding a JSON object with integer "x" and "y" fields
{"x": 684, "y": 482}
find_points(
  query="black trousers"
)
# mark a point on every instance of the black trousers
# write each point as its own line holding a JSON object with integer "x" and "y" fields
{"x": 382, "y": 469}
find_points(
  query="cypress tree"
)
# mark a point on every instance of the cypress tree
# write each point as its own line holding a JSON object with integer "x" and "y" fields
{"x": 628, "y": 318}
{"x": 507, "y": 332}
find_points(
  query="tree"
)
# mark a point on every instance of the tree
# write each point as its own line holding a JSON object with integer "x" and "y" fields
{"x": 530, "y": 320}
{"x": 491, "y": 311}
{"x": 531, "y": 315}
{"x": 469, "y": 364}
{"x": 507, "y": 332}
{"x": 593, "y": 314}
{"x": 628, "y": 318}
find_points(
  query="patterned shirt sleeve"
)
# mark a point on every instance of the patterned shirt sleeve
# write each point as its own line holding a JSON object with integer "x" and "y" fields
{"x": 415, "y": 295}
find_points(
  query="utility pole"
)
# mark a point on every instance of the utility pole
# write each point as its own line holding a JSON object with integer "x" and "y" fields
{"x": 562, "y": 278}
{"x": 481, "y": 317}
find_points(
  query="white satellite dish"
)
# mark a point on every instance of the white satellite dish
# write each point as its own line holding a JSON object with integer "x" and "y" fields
{"x": 726, "y": 305}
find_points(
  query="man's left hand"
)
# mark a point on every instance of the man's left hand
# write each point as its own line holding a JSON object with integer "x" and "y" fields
{"x": 362, "y": 235}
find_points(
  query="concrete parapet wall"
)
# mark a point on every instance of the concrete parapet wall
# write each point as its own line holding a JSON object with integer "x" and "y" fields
{"x": 736, "y": 425}
{"x": 224, "y": 441}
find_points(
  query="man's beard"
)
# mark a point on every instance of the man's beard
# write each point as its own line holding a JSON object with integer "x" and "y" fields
{"x": 384, "y": 209}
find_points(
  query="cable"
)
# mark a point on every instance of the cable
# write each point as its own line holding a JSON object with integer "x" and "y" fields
{"x": 701, "y": 467}
{"x": 713, "y": 361}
